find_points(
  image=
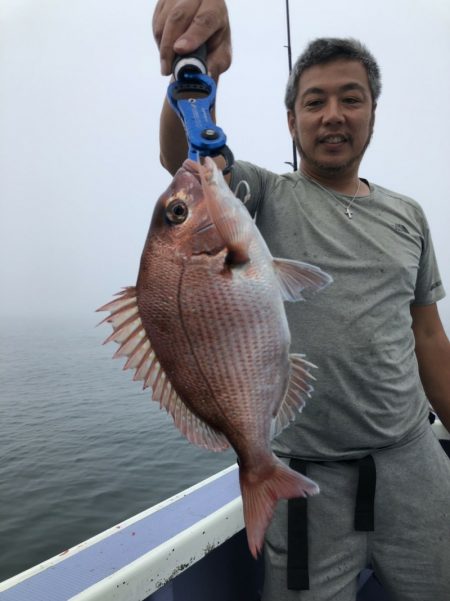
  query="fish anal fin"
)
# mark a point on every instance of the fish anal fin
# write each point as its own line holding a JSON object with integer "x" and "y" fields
{"x": 299, "y": 389}
{"x": 260, "y": 495}
{"x": 296, "y": 278}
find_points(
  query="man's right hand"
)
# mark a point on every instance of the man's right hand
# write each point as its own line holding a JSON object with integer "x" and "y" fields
{"x": 182, "y": 26}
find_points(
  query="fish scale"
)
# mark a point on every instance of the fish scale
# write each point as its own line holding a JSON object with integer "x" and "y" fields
{"x": 227, "y": 337}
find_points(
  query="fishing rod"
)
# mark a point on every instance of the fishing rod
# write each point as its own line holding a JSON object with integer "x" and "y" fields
{"x": 288, "y": 23}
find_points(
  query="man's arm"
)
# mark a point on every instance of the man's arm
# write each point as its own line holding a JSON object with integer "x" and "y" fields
{"x": 180, "y": 28}
{"x": 173, "y": 148}
{"x": 433, "y": 356}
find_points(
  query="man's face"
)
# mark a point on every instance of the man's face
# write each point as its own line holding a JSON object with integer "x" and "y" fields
{"x": 333, "y": 119}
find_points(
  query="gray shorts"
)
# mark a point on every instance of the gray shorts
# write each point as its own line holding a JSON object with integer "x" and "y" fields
{"x": 409, "y": 548}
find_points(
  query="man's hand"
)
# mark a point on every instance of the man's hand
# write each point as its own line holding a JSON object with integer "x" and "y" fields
{"x": 182, "y": 26}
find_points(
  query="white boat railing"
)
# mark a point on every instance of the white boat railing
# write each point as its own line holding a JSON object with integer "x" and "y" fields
{"x": 142, "y": 555}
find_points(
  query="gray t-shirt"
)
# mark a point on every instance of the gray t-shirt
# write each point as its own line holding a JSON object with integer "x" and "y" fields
{"x": 368, "y": 393}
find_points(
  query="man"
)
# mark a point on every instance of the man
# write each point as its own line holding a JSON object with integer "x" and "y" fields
{"x": 371, "y": 332}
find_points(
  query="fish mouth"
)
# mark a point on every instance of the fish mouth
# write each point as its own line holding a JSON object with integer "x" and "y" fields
{"x": 191, "y": 167}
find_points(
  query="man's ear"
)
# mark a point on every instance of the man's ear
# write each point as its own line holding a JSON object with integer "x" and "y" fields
{"x": 372, "y": 120}
{"x": 291, "y": 122}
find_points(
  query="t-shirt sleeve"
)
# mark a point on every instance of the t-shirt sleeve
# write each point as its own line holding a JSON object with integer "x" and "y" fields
{"x": 250, "y": 181}
{"x": 429, "y": 287}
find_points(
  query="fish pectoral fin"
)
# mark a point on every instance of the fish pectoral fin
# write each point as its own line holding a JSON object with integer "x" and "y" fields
{"x": 299, "y": 389}
{"x": 129, "y": 333}
{"x": 296, "y": 277}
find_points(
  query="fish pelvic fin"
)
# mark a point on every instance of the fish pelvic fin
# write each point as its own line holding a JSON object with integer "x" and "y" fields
{"x": 261, "y": 494}
{"x": 299, "y": 390}
{"x": 231, "y": 220}
{"x": 296, "y": 277}
{"x": 134, "y": 344}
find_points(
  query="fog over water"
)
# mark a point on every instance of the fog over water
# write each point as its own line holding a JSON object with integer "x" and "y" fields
{"x": 80, "y": 95}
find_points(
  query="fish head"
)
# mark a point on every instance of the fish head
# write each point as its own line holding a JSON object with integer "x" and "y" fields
{"x": 181, "y": 220}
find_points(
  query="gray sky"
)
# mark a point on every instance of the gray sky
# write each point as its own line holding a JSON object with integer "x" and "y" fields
{"x": 80, "y": 94}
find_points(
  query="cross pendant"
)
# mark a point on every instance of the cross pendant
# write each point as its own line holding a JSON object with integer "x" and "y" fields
{"x": 348, "y": 213}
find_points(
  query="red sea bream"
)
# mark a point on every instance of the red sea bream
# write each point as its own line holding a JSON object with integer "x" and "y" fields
{"x": 205, "y": 328}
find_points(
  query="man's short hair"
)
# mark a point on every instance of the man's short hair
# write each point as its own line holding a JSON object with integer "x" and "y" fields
{"x": 324, "y": 50}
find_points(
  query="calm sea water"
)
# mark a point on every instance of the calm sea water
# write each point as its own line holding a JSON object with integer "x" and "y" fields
{"x": 82, "y": 446}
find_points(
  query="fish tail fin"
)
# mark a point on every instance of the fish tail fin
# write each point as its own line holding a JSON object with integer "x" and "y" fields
{"x": 260, "y": 496}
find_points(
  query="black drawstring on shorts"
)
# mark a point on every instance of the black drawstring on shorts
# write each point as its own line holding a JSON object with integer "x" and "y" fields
{"x": 297, "y": 559}
{"x": 365, "y": 495}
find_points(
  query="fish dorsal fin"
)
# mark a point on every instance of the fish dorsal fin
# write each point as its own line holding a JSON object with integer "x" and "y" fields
{"x": 299, "y": 389}
{"x": 296, "y": 277}
{"x": 129, "y": 333}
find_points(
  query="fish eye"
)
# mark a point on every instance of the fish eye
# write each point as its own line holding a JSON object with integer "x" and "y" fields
{"x": 177, "y": 211}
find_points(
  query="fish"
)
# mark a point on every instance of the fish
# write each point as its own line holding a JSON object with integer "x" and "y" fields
{"x": 205, "y": 328}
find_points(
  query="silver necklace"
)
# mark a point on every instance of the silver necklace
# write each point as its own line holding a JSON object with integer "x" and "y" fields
{"x": 347, "y": 208}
